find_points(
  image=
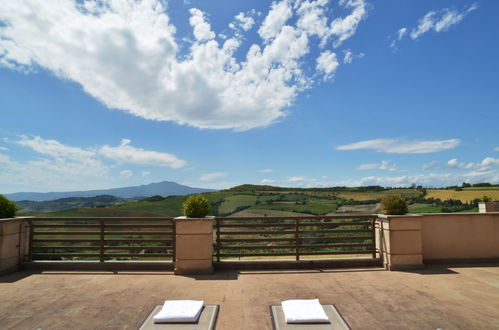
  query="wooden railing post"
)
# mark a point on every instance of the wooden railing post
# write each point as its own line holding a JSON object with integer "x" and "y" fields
{"x": 174, "y": 232}
{"x": 30, "y": 244}
{"x": 101, "y": 244}
{"x": 297, "y": 238}
{"x": 373, "y": 236}
{"x": 217, "y": 242}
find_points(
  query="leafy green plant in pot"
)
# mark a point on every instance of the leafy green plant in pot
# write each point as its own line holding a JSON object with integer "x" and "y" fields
{"x": 8, "y": 208}
{"x": 394, "y": 205}
{"x": 196, "y": 206}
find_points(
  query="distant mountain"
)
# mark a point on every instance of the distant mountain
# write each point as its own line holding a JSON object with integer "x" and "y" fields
{"x": 70, "y": 203}
{"x": 165, "y": 188}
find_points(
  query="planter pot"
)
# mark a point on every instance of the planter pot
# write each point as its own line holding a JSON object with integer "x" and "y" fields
{"x": 193, "y": 246}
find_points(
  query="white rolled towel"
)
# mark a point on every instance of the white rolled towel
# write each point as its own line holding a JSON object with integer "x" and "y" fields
{"x": 179, "y": 311}
{"x": 304, "y": 311}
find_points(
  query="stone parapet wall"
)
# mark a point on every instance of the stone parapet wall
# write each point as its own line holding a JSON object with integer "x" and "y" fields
{"x": 14, "y": 237}
{"x": 409, "y": 241}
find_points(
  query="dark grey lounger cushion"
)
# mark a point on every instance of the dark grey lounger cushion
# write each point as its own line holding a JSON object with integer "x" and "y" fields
{"x": 207, "y": 320}
{"x": 337, "y": 322}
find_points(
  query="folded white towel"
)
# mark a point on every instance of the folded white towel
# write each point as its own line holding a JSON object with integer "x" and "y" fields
{"x": 304, "y": 311}
{"x": 179, "y": 311}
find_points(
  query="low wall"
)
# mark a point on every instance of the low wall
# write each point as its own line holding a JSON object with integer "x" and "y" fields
{"x": 473, "y": 236}
{"x": 14, "y": 239}
{"x": 410, "y": 241}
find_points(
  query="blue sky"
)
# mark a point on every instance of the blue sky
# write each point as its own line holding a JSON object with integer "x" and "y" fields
{"x": 219, "y": 93}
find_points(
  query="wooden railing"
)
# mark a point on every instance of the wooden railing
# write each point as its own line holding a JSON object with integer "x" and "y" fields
{"x": 239, "y": 237}
{"x": 102, "y": 239}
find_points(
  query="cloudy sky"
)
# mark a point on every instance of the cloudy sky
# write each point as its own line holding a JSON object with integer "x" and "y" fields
{"x": 101, "y": 94}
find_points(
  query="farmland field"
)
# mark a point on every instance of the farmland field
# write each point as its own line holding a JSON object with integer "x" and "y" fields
{"x": 376, "y": 195}
{"x": 465, "y": 195}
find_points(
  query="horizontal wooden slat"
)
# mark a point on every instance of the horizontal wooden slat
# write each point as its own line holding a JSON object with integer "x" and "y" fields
{"x": 256, "y": 239}
{"x": 336, "y": 252}
{"x": 137, "y": 240}
{"x": 114, "y": 233}
{"x": 259, "y": 232}
{"x": 62, "y": 225}
{"x": 315, "y": 217}
{"x": 74, "y": 240}
{"x": 137, "y": 225}
{"x": 307, "y": 246}
{"x": 238, "y": 225}
{"x": 256, "y": 254}
{"x": 324, "y": 224}
{"x": 341, "y": 238}
{"x": 66, "y": 247}
{"x": 61, "y": 233}
{"x": 141, "y": 255}
{"x": 159, "y": 248}
{"x": 333, "y": 231}
{"x": 344, "y": 238}
{"x": 90, "y": 255}
{"x": 103, "y": 219}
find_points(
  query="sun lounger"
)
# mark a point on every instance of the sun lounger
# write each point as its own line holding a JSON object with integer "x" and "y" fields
{"x": 336, "y": 321}
{"x": 207, "y": 320}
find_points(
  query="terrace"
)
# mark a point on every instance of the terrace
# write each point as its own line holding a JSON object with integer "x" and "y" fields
{"x": 448, "y": 278}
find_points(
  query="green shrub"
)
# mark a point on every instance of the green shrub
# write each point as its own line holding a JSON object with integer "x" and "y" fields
{"x": 394, "y": 205}
{"x": 8, "y": 208}
{"x": 196, "y": 206}
{"x": 486, "y": 199}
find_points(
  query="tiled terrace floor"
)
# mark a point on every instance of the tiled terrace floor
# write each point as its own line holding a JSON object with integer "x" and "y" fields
{"x": 461, "y": 297}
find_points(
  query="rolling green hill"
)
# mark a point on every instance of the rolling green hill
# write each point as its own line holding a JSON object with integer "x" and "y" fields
{"x": 253, "y": 200}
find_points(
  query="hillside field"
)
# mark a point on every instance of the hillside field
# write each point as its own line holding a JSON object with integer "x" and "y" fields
{"x": 250, "y": 200}
{"x": 465, "y": 195}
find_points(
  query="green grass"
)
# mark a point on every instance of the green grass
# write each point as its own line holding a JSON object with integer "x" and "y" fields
{"x": 319, "y": 207}
{"x": 98, "y": 212}
{"x": 230, "y": 204}
{"x": 377, "y": 195}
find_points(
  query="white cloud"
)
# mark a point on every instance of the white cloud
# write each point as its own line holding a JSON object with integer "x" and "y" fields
{"x": 344, "y": 28}
{"x": 126, "y": 174}
{"x": 146, "y": 173}
{"x": 430, "y": 179}
{"x": 126, "y": 54}
{"x": 3, "y": 148}
{"x": 430, "y": 165}
{"x": 496, "y": 148}
{"x": 398, "y": 146}
{"x": 54, "y": 148}
{"x": 202, "y": 29}
{"x": 401, "y": 33}
{"x": 279, "y": 13}
{"x": 312, "y": 19}
{"x": 384, "y": 166}
{"x": 440, "y": 20}
{"x": 348, "y": 57}
{"x": 266, "y": 170}
{"x": 296, "y": 179}
{"x": 125, "y": 153}
{"x": 244, "y": 22}
{"x": 58, "y": 166}
{"x": 485, "y": 165}
{"x": 327, "y": 63}
{"x": 267, "y": 181}
{"x": 212, "y": 176}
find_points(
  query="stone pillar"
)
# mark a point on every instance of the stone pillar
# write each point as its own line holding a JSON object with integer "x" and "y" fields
{"x": 398, "y": 237}
{"x": 193, "y": 246}
{"x": 13, "y": 244}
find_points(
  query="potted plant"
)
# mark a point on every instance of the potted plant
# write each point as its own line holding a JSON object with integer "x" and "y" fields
{"x": 394, "y": 205}
{"x": 196, "y": 206}
{"x": 194, "y": 237}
